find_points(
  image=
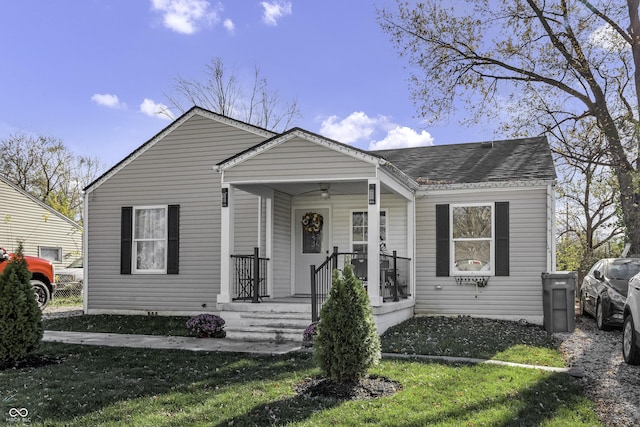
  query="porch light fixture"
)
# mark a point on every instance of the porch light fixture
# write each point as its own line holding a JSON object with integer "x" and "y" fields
{"x": 325, "y": 194}
{"x": 372, "y": 194}
{"x": 225, "y": 197}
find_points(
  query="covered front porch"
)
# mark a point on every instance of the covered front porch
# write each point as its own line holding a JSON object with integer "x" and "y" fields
{"x": 286, "y": 225}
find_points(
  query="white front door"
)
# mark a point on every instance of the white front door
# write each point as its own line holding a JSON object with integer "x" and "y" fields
{"x": 312, "y": 245}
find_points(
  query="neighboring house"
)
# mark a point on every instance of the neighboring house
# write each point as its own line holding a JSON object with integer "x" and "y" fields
{"x": 43, "y": 231}
{"x": 171, "y": 228}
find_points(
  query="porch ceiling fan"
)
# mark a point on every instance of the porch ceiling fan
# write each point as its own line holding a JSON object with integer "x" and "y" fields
{"x": 323, "y": 190}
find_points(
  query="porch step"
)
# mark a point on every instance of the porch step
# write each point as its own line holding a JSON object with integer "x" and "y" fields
{"x": 266, "y": 321}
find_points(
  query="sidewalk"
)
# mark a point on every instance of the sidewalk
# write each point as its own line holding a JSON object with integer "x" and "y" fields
{"x": 172, "y": 342}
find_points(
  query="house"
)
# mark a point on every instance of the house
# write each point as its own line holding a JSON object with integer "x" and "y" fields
{"x": 213, "y": 214}
{"x": 43, "y": 231}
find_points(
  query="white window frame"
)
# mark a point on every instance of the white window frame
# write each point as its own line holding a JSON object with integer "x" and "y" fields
{"x": 492, "y": 240}
{"x": 134, "y": 240}
{"x": 383, "y": 233}
{"x": 58, "y": 249}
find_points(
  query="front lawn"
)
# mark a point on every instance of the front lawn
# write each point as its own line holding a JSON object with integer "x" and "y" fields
{"x": 103, "y": 386}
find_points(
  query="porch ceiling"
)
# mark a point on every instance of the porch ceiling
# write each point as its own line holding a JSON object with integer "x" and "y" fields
{"x": 336, "y": 188}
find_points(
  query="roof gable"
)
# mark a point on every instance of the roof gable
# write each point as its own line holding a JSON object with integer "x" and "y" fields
{"x": 170, "y": 128}
{"x": 291, "y": 134}
{"x": 36, "y": 201}
{"x": 496, "y": 161}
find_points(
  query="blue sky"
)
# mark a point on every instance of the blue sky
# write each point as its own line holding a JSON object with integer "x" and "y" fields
{"x": 92, "y": 73}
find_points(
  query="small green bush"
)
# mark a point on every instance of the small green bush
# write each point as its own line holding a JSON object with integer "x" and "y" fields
{"x": 347, "y": 342}
{"x": 20, "y": 317}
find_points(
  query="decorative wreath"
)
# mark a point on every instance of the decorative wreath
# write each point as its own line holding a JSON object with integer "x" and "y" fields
{"x": 312, "y": 222}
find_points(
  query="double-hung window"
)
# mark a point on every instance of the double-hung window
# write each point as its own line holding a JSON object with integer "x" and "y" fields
{"x": 150, "y": 239}
{"x": 472, "y": 238}
{"x": 359, "y": 230}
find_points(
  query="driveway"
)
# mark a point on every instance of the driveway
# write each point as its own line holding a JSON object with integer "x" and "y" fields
{"x": 608, "y": 381}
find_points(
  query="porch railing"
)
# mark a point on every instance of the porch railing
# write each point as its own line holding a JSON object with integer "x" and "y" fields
{"x": 394, "y": 277}
{"x": 250, "y": 277}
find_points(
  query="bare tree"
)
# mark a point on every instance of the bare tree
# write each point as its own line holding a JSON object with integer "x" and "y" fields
{"x": 222, "y": 92}
{"x": 43, "y": 167}
{"x": 578, "y": 60}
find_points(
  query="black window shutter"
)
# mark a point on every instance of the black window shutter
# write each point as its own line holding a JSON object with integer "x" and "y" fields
{"x": 126, "y": 239}
{"x": 442, "y": 240}
{"x": 173, "y": 237}
{"x": 502, "y": 238}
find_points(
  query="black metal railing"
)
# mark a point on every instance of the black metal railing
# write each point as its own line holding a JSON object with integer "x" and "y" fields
{"x": 394, "y": 276}
{"x": 250, "y": 277}
{"x": 321, "y": 283}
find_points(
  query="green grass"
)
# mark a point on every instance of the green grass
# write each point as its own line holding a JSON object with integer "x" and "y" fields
{"x": 145, "y": 325}
{"x": 65, "y": 301}
{"x": 102, "y": 386}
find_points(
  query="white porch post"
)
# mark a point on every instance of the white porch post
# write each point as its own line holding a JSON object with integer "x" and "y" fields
{"x": 373, "y": 242}
{"x": 226, "y": 242}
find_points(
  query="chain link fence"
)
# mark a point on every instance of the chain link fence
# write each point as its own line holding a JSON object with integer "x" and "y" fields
{"x": 68, "y": 291}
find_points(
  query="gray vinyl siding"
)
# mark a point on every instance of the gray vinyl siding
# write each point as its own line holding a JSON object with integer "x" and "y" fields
{"x": 282, "y": 241}
{"x": 26, "y": 220}
{"x": 520, "y": 293}
{"x": 176, "y": 169}
{"x": 298, "y": 159}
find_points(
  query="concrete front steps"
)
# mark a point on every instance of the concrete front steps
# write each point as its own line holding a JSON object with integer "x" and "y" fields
{"x": 266, "y": 321}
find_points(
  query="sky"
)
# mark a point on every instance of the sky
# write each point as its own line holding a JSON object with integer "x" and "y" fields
{"x": 94, "y": 73}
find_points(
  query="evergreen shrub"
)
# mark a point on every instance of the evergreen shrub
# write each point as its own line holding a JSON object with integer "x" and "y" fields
{"x": 21, "y": 326}
{"x": 347, "y": 342}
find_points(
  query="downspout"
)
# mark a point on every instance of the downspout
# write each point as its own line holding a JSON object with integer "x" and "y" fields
{"x": 551, "y": 228}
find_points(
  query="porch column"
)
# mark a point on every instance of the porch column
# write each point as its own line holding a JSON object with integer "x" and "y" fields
{"x": 373, "y": 242}
{"x": 226, "y": 241}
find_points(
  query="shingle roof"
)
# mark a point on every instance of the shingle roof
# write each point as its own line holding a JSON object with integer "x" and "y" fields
{"x": 507, "y": 160}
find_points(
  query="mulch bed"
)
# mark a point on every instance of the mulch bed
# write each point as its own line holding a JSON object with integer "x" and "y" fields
{"x": 369, "y": 387}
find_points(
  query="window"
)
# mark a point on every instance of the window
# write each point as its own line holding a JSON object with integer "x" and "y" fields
{"x": 472, "y": 239}
{"x": 359, "y": 233}
{"x": 53, "y": 254}
{"x": 149, "y": 239}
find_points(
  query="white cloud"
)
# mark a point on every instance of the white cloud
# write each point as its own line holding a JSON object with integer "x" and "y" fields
{"x": 229, "y": 25}
{"x": 402, "y": 137}
{"x": 275, "y": 10}
{"x": 155, "y": 109}
{"x": 358, "y": 126}
{"x": 355, "y": 127}
{"x": 186, "y": 16}
{"x": 108, "y": 100}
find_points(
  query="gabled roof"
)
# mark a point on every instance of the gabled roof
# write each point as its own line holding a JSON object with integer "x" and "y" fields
{"x": 176, "y": 123}
{"x": 38, "y": 202}
{"x": 524, "y": 159}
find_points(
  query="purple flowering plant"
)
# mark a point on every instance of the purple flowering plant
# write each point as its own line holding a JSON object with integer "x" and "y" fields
{"x": 310, "y": 332}
{"x": 206, "y": 325}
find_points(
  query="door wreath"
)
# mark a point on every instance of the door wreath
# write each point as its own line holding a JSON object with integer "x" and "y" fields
{"x": 312, "y": 223}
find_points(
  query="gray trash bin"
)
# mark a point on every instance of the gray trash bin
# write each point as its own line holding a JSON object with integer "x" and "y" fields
{"x": 558, "y": 301}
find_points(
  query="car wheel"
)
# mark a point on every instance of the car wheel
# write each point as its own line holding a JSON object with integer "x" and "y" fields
{"x": 630, "y": 349}
{"x": 583, "y": 305}
{"x": 600, "y": 317}
{"x": 42, "y": 293}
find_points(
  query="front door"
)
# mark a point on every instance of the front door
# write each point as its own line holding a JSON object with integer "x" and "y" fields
{"x": 312, "y": 245}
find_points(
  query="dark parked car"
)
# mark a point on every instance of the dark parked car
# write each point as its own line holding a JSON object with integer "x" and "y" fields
{"x": 604, "y": 290}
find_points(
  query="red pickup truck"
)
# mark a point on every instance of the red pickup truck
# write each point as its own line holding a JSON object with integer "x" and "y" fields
{"x": 42, "y": 276}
